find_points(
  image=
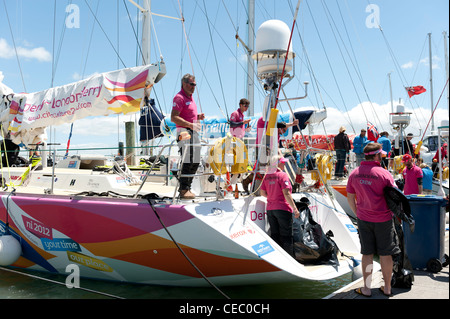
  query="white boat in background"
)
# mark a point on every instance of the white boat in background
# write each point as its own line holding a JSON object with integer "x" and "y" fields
{"x": 118, "y": 227}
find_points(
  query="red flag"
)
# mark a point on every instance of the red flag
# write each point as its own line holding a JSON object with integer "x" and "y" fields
{"x": 414, "y": 90}
{"x": 372, "y": 132}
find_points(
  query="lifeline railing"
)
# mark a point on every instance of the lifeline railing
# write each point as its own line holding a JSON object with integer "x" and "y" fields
{"x": 167, "y": 175}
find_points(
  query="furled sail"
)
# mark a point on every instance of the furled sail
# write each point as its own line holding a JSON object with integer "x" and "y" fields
{"x": 150, "y": 121}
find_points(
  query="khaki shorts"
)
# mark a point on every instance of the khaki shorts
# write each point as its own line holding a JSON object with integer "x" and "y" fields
{"x": 378, "y": 238}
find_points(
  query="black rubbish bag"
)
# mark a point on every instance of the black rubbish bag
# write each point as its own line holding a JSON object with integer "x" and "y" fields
{"x": 402, "y": 275}
{"x": 311, "y": 244}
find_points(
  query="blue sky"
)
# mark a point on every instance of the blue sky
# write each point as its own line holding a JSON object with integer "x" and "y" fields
{"x": 350, "y": 60}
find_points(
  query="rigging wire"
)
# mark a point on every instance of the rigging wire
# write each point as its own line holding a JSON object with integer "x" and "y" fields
{"x": 104, "y": 32}
{"x": 53, "y": 42}
{"x": 396, "y": 64}
{"x": 183, "y": 252}
{"x": 353, "y": 61}
{"x": 443, "y": 90}
{"x": 83, "y": 66}
{"x": 236, "y": 29}
{"x": 329, "y": 62}
{"x": 215, "y": 58}
{"x": 287, "y": 53}
{"x": 15, "y": 48}
{"x": 63, "y": 32}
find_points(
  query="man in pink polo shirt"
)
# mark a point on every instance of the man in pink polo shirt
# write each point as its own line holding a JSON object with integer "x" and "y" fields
{"x": 237, "y": 122}
{"x": 187, "y": 120}
{"x": 280, "y": 205}
{"x": 375, "y": 221}
{"x": 412, "y": 175}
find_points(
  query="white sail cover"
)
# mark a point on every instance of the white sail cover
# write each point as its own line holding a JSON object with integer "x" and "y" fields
{"x": 24, "y": 116}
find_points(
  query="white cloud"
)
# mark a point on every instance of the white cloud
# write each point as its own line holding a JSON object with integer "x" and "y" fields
{"x": 408, "y": 65}
{"x": 8, "y": 52}
{"x": 435, "y": 60}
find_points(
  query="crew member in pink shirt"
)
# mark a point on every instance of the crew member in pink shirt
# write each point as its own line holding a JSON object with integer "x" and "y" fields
{"x": 280, "y": 205}
{"x": 237, "y": 122}
{"x": 187, "y": 120}
{"x": 412, "y": 175}
{"x": 365, "y": 195}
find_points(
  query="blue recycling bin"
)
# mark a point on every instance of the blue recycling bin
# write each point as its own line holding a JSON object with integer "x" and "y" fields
{"x": 425, "y": 246}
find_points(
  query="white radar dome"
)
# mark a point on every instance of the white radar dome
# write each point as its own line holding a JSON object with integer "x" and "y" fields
{"x": 271, "y": 44}
{"x": 272, "y": 37}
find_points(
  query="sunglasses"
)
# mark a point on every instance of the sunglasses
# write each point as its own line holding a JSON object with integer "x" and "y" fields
{"x": 192, "y": 84}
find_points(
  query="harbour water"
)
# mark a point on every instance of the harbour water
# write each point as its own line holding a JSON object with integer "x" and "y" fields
{"x": 15, "y": 285}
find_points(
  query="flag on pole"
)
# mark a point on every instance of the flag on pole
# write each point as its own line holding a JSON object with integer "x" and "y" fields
{"x": 372, "y": 132}
{"x": 415, "y": 90}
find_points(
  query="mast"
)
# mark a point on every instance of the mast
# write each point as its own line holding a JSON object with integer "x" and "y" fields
{"x": 146, "y": 16}
{"x": 250, "y": 62}
{"x": 446, "y": 64}
{"x": 431, "y": 82}
{"x": 390, "y": 89}
{"x": 145, "y": 45}
{"x": 250, "y": 48}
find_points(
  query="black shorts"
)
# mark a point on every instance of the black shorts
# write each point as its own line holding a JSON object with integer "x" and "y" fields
{"x": 378, "y": 238}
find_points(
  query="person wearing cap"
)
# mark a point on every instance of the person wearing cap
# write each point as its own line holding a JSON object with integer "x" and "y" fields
{"x": 277, "y": 188}
{"x": 387, "y": 146}
{"x": 358, "y": 146}
{"x": 412, "y": 176}
{"x": 237, "y": 122}
{"x": 342, "y": 147}
{"x": 365, "y": 195}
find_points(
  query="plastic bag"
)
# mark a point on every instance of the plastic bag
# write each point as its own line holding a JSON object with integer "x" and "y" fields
{"x": 311, "y": 244}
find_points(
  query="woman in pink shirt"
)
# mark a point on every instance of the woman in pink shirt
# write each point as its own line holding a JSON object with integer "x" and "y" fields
{"x": 365, "y": 195}
{"x": 277, "y": 188}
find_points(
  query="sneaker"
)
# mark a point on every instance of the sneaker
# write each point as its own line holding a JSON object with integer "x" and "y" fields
{"x": 186, "y": 194}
